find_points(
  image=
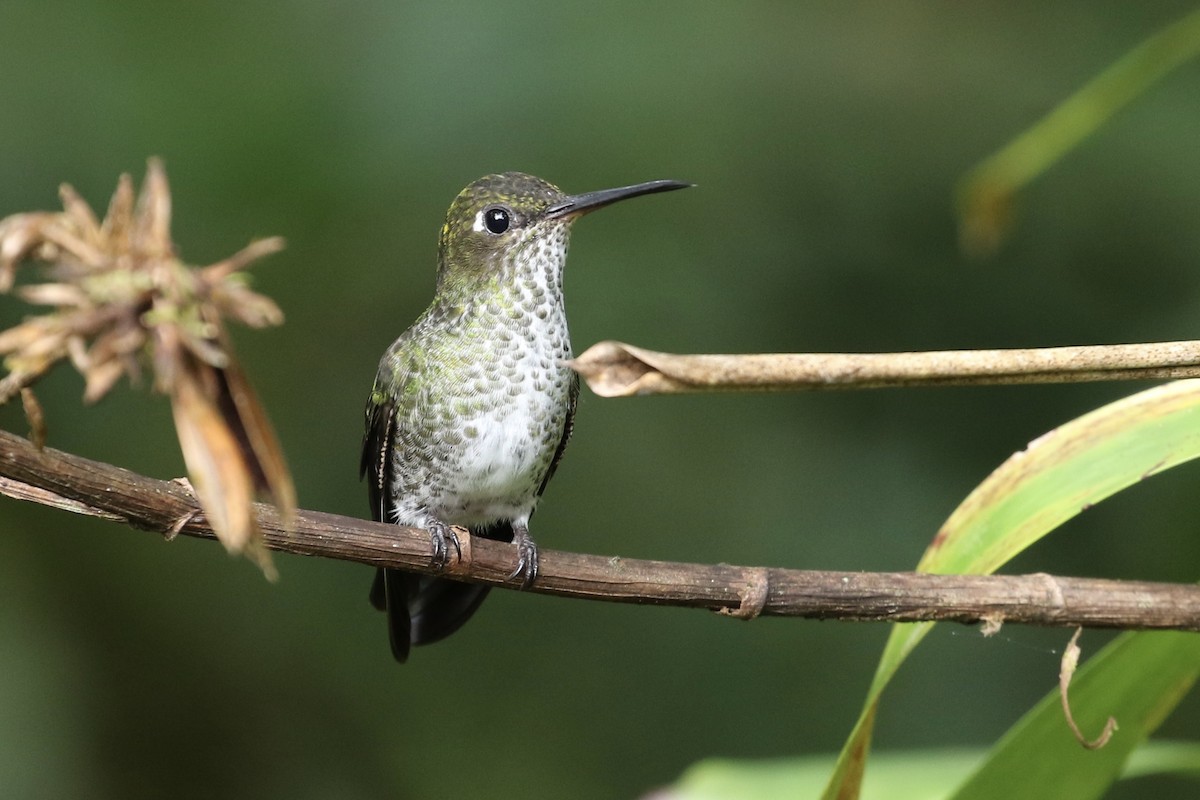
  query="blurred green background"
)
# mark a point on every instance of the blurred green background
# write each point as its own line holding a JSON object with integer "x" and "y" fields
{"x": 825, "y": 140}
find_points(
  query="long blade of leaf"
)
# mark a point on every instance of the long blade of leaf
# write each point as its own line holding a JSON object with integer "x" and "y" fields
{"x": 986, "y": 194}
{"x": 898, "y": 775}
{"x": 1029, "y": 495}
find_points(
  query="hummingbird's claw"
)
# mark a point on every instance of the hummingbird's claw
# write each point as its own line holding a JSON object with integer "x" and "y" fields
{"x": 527, "y": 558}
{"x": 443, "y": 534}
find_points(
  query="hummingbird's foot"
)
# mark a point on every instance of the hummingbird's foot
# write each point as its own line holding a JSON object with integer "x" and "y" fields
{"x": 527, "y": 557}
{"x": 443, "y": 536}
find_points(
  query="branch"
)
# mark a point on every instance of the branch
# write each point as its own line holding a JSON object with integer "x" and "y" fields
{"x": 615, "y": 369}
{"x": 71, "y": 483}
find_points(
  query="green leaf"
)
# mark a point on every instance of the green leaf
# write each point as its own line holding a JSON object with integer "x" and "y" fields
{"x": 1181, "y": 759}
{"x": 1057, "y": 476}
{"x": 904, "y": 775}
{"x": 1138, "y": 679}
{"x": 917, "y": 775}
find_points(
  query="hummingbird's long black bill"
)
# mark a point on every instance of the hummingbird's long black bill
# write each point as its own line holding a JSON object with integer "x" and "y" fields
{"x": 583, "y": 203}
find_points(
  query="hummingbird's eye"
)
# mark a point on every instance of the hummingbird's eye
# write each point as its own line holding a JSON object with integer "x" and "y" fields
{"x": 497, "y": 220}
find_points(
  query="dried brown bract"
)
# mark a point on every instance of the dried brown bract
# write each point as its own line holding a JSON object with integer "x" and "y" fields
{"x": 122, "y": 300}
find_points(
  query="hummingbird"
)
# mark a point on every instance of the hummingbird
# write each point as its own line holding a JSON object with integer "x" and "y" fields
{"x": 472, "y": 406}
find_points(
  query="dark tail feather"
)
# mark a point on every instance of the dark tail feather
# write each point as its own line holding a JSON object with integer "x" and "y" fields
{"x": 441, "y": 607}
{"x": 424, "y": 610}
{"x": 378, "y": 597}
{"x": 390, "y": 593}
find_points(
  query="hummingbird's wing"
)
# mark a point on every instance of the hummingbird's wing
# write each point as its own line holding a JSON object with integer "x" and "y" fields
{"x": 376, "y": 463}
{"x": 391, "y": 588}
{"x": 420, "y": 609}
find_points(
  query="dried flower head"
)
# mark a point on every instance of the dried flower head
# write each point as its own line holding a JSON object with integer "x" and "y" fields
{"x": 122, "y": 300}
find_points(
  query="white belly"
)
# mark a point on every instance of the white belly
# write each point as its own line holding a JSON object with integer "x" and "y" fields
{"x": 501, "y": 460}
{"x": 504, "y": 456}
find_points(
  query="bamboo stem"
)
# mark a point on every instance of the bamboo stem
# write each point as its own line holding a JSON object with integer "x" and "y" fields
{"x": 101, "y": 490}
{"x": 615, "y": 369}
